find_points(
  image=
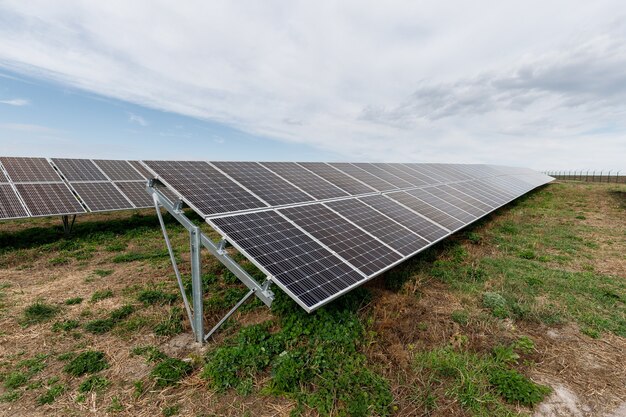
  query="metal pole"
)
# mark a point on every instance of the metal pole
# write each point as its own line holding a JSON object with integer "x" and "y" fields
{"x": 196, "y": 283}
{"x": 173, "y": 260}
{"x": 617, "y": 176}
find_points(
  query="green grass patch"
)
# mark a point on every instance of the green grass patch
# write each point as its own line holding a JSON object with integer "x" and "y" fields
{"x": 140, "y": 256}
{"x": 172, "y": 324}
{"x": 101, "y": 295}
{"x": 73, "y": 301}
{"x": 170, "y": 371}
{"x": 51, "y": 394}
{"x": 93, "y": 383}
{"x": 65, "y": 325}
{"x": 314, "y": 359}
{"x": 39, "y": 312}
{"x": 103, "y": 272}
{"x": 87, "y": 362}
{"x": 152, "y": 297}
{"x": 101, "y": 326}
{"x": 150, "y": 353}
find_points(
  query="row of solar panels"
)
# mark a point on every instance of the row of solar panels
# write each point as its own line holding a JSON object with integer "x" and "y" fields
{"x": 321, "y": 229}
{"x": 32, "y": 187}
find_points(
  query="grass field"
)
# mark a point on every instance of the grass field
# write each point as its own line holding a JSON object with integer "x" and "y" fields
{"x": 523, "y": 313}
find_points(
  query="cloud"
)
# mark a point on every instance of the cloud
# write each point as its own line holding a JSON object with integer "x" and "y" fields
{"x": 457, "y": 81}
{"x": 133, "y": 118}
{"x": 28, "y": 128}
{"x": 18, "y": 102}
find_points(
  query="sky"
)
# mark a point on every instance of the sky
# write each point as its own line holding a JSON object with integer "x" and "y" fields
{"x": 540, "y": 84}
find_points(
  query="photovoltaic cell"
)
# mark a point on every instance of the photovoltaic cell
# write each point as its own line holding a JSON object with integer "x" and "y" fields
{"x": 404, "y": 173}
{"x": 118, "y": 170}
{"x": 458, "y": 200}
{"x": 428, "y": 176}
{"x": 101, "y": 196}
{"x": 349, "y": 242}
{"x": 78, "y": 169}
{"x": 382, "y": 227}
{"x": 420, "y": 225}
{"x": 135, "y": 191}
{"x": 29, "y": 169}
{"x": 338, "y": 178}
{"x": 49, "y": 199}
{"x": 305, "y": 180}
{"x": 426, "y": 210}
{"x": 263, "y": 183}
{"x": 3, "y": 177}
{"x": 10, "y": 205}
{"x": 383, "y": 174}
{"x": 310, "y": 272}
{"x": 360, "y": 174}
{"x": 203, "y": 187}
{"x": 442, "y": 205}
{"x": 457, "y": 192}
{"x": 142, "y": 169}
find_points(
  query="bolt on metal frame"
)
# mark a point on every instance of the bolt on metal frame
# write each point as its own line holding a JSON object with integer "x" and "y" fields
{"x": 197, "y": 240}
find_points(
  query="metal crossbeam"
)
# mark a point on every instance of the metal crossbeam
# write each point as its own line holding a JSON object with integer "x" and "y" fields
{"x": 197, "y": 240}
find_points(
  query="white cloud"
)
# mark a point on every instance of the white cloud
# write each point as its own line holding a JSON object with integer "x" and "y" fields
{"x": 18, "y": 102}
{"x": 404, "y": 80}
{"x": 133, "y": 118}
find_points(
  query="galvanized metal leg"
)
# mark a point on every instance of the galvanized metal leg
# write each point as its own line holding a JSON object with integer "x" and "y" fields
{"x": 181, "y": 287}
{"x": 67, "y": 224}
{"x": 230, "y": 313}
{"x": 196, "y": 283}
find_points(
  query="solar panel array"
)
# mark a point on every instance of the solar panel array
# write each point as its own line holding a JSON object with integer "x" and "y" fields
{"x": 320, "y": 229}
{"x": 33, "y": 187}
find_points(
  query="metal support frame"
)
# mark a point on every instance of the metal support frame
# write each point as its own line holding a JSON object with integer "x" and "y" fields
{"x": 197, "y": 240}
{"x": 68, "y": 224}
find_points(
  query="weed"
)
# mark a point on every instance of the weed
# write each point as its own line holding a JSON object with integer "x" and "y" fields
{"x": 39, "y": 312}
{"x": 15, "y": 380}
{"x": 100, "y": 326}
{"x": 505, "y": 355}
{"x": 73, "y": 301}
{"x": 516, "y": 388}
{"x": 51, "y": 394}
{"x": 169, "y": 371}
{"x": 10, "y": 396}
{"x": 138, "y": 256}
{"x": 88, "y": 362}
{"x": 93, "y": 383}
{"x": 103, "y": 272}
{"x": 59, "y": 260}
{"x": 461, "y": 317}
{"x": 496, "y": 303}
{"x": 170, "y": 411}
{"x": 172, "y": 325}
{"x": 116, "y": 405}
{"x": 65, "y": 325}
{"x": 525, "y": 345}
{"x": 151, "y": 353}
{"x": 474, "y": 238}
{"x": 152, "y": 297}
{"x": 122, "y": 313}
{"x": 101, "y": 295}
{"x": 312, "y": 358}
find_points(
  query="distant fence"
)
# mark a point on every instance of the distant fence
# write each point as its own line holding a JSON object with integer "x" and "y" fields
{"x": 589, "y": 176}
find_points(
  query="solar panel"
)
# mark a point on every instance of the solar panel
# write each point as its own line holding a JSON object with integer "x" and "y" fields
{"x": 101, "y": 196}
{"x": 49, "y": 199}
{"x": 29, "y": 169}
{"x": 315, "y": 186}
{"x": 10, "y": 205}
{"x": 78, "y": 169}
{"x": 383, "y": 174}
{"x": 406, "y": 217}
{"x": 442, "y": 204}
{"x": 118, "y": 170}
{"x": 263, "y": 183}
{"x": 203, "y": 187}
{"x": 429, "y": 176}
{"x": 307, "y": 271}
{"x": 480, "y": 194}
{"x": 338, "y": 178}
{"x": 457, "y": 199}
{"x": 360, "y": 174}
{"x": 135, "y": 191}
{"x": 404, "y": 173}
{"x": 465, "y": 196}
{"x": 142, "y": 169}
{"x": 431, "y": 213}
{"x": 354, "y": 245}
{"x": 382, "y": 227}
{"x": 3, "y": 177}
